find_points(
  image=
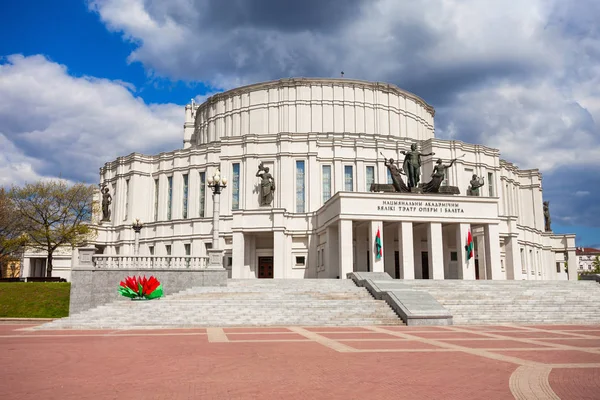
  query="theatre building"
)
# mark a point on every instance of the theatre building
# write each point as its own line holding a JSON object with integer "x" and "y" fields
{"x": 324, "y": 142}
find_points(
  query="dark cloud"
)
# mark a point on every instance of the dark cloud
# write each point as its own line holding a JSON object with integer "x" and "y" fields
{"x": 278, "y": 15}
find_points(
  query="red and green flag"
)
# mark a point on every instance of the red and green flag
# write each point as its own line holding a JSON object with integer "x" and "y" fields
{"x": 469, "y": 246}
{"x": 378, "y": 245}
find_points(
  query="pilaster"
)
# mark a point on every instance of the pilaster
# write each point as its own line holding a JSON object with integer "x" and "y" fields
{"x": 436, "y": 250}
{"x": 406, "y": 249}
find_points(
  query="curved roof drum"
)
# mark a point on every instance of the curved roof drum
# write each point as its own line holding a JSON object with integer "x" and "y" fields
{"x": 314, "y": 106}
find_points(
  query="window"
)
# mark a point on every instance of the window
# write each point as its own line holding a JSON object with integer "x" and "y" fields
{"x": 558, "y": 268}
{"x": 300, "y": 186}
{"x": 168, "y": 249}
{"x": 348, "y": 178}
{"x": 151, "y": 250}
{"x": 369, "y": 177}
{"x": 126, "y": 199}
{"x": 491, "y": 183}
{"x": 235, "y": 187}
{"x": 188, "y": 251}
{"x": 453, "y": 256}
{"x": 170, "y": 196}
{"x": 156, "y": 199}
{"x": 326, "y": 183}
{"x": 300, "y": 260}
{"x": 229, "y": 261}
{"x": 390, "y": 181}
{"x": 202, "y": 193}
{"x": 185, "y": 196}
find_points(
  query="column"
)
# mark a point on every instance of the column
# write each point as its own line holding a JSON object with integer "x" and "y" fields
{"x": 280, "y": 255}
{"x": 514, "y": 269}
{"x": 346, "y": 259}
{"x": 436, "y": 250}
{"x": 480, "y": 254}
{"x": 376, "y": 264}
{"x": 492, "y": 252}
{"x": 406, "y": 249}
{"x": 466, "y": 268}
{"x": 237, "y": 255}
{"x": 573, "y": 265}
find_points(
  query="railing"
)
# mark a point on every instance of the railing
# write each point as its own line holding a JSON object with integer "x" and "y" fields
{"x": 102, "y": 261}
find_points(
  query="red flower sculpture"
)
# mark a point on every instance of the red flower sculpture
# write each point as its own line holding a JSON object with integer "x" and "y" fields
{"x": 138, "y": 287}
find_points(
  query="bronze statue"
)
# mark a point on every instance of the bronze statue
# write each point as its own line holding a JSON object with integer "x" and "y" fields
{"x": 267, "y": 185}
{"x": 476, "y": 183}
{"x": 412, "y": 165}
{"x": 106, "y": 201}
{"x": 437, "y": 177}
{"x": 547, "y": 220}
{"x": 396, "y": 173}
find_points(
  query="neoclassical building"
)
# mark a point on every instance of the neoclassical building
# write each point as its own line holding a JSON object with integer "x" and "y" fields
{"x": 324, "y": 142}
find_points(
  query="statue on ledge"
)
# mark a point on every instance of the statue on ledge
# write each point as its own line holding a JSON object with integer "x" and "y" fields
{"x": 547, "y": 220}
{"x": 106, "y": 201}
{"x": 267, "y": 185}
{"x": 437, "y": 177}
{"x": 396, "y": 174}
{"x": 412, "y": 165}
{"x": 476, "y": 183}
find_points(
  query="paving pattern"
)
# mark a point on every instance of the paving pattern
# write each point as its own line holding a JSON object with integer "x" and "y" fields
{"x": 384, "y": 362}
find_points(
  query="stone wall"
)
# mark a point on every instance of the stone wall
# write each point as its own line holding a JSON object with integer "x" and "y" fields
{"x": 93, "y": 287}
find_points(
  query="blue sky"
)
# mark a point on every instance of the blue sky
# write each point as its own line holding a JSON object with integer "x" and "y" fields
{"x": 82, "y": 82}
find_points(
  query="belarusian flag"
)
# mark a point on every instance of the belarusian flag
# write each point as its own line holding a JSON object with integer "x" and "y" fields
{"x": 378, "y": 246}
{"x": 469, "y": 246}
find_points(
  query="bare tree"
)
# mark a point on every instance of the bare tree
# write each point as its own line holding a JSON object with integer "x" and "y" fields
{"x": 11, "y": 230}
{"x": 54, "y": 214}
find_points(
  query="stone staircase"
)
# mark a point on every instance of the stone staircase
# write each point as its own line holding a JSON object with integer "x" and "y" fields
{"x": 302, "y": 302}
{"x": 520, "y": 302}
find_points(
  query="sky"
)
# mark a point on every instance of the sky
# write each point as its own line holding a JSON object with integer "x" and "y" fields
{"x": 83, "y": 82}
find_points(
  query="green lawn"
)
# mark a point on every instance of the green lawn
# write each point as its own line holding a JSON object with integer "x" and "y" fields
{"x": 34, "y": 299}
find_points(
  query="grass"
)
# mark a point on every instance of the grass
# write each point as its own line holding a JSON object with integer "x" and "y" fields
{"x": 34, "y": 299}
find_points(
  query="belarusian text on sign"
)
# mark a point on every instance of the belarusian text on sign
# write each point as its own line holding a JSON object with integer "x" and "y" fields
{"x": 416, "y": 207}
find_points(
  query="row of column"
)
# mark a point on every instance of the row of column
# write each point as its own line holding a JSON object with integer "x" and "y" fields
{"x": 341, "y": 249}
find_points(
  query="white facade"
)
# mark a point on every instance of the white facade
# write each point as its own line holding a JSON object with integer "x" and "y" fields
{"x": 322, "y": 140}
{"x": 587, "y": 256}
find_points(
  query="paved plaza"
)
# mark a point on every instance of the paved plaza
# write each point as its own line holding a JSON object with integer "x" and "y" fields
{"x": 453, "y": 362}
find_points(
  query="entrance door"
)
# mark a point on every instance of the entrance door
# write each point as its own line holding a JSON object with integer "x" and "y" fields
{"x": 265, "y": 267}
{"x": 476, "y": 269}
{"x": 425, "y": 264}
{"x": 397, "y": 264}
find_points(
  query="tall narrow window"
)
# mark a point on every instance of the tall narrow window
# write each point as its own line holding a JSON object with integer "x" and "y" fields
{"x": 370, "y": 177}
{"x": 300, "y": 186}
{"x": 188, "y": 250}
{"x": 169, "y": 196}
{"x": 202, "y": 193}
{"x": 126, "y": 199}
{"x": 390, "y": 181}
{"x": 348, "y": 178}
{"x": 235, "y": 187}
{"x": 491, "y": 183}
{"x": 185, "y": 196}
{"x": 156, "y": 199}
{"x": 326, "y": 183}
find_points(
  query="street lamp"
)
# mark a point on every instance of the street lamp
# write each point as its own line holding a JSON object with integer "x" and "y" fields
{"x": 137, "y": 227}
{"x": 215, "y": 255}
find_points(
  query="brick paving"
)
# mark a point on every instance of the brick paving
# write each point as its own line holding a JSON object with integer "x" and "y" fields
{"x": 454, "y": 362}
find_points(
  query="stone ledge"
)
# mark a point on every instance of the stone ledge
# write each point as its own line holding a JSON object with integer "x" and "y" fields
{"x": 413, "y": 306}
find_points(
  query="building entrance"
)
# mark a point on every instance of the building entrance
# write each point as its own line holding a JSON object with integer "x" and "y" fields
{"x": 425, "y": 264}
{"x": 265, "y": 267}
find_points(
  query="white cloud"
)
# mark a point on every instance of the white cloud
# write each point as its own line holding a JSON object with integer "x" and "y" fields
{"x": 54, "y": 124}
{"x": 582, "y": 193}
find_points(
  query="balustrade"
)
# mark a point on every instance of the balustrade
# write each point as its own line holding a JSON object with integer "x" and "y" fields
{"x": 102, "y": 261}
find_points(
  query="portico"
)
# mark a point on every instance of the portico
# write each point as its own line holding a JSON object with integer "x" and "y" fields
{"x": 423, "y": 236}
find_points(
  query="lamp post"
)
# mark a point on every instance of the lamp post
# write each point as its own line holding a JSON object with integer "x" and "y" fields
{"x": 215, "y": 255}
{"x": 137, "y": 227}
